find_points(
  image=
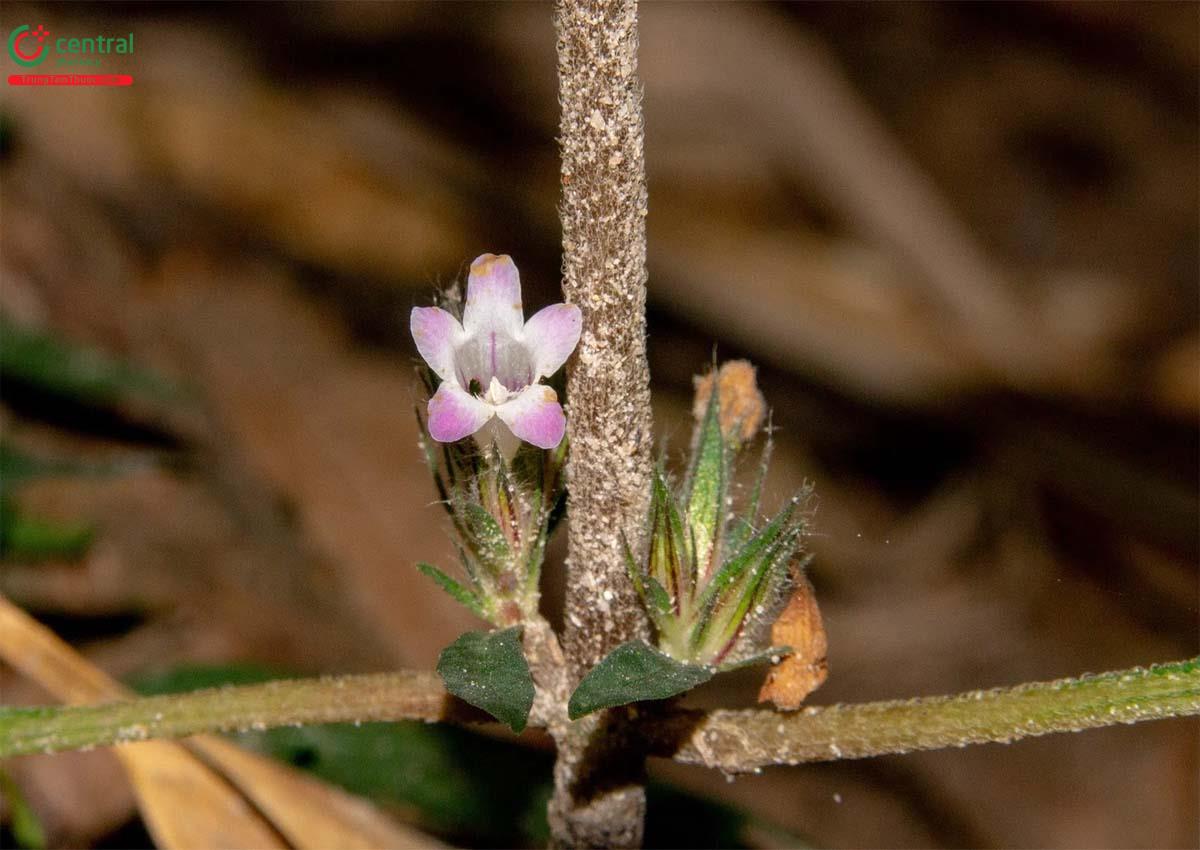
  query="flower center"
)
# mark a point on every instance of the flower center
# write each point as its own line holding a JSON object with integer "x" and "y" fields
{"x": 492, "y": 356}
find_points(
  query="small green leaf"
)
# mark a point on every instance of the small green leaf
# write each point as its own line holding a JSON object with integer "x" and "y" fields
{"x": 30, "y": 538}
{"x": 488, "y": 670}
{"x": 633, "y": 672}
{"x": 23, "y": 821}
{"x": 456, "y": 590}
{"x": 33, "y": 357}
{"x": 18, "y": 466}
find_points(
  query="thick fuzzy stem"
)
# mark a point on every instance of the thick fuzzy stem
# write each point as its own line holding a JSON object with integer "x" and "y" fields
{"x": 604, "y": 273}
{"x": 599, "y": 800}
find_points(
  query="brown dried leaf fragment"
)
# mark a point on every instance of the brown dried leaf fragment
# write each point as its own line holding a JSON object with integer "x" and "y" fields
{"x": 802, "y": 672}
{"x": 206, "y": 792}
{"x": 743, "y": 407}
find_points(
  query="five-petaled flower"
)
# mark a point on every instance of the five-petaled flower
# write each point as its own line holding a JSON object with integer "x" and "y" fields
{"x": 491, "y": 363}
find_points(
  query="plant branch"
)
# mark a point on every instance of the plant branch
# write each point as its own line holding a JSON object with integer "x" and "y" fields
{"x": 599, "y": 800}
{"x": 604, "y": 272}
{"x": 739, "y": 741}
{"x": 382, "y": 696}
{"x": 733, "y": 741}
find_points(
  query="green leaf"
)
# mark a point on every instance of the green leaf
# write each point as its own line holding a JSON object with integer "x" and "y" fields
{"x": 473, "y": 790}
{"x": 23, "y": 821}
{"x": 456, "y": 590}
{"x": 18, "y": 467}
{"x": 477, "y": 791}
{"x": 633, "y": 672}
{"x": 30, "y": 538}
{"x": 488, "y": 670}
{"x": 54, "y": 366}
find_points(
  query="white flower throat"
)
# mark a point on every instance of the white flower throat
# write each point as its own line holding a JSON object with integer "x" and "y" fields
{"x": 493, "y": 362}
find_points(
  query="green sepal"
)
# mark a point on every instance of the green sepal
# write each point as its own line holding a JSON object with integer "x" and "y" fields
{"x": 489, "y": 671}
{"x": 658, "y": 596}
{"x": 708, "y": 481}
{"x": 452, "y": 587}
{"x": 634, "y": 672}
{"x": 485, "y": 537}
{"x": 669, "y": 559}
{"x": 772, "y": 567}
{"x": 733, "y": 569}
{"x": 506, "y": 503}
{"x": 742, "y": 527}
{"x": 726, "y": 612}
{"x": 768, "y": 656}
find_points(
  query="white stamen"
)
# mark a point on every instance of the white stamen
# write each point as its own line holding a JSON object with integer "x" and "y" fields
{"x": 496, "y": 392}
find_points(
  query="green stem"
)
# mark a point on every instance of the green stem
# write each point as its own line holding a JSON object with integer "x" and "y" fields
{"x": 737, "y": 741}
{"x": 733, "y": 741}
{"x": 383, "y": 696}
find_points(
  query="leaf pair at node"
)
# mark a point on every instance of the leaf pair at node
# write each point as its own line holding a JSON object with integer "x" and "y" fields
{"x": 489, "y": 671}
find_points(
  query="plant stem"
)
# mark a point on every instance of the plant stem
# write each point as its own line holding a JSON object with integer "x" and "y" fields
{"x": 599, "y": 799}
{"x": 733, "y": 741}
{"x": 383, "y": 696}
{"x": 739, "y": 741}
{"x": 604, "y": 272}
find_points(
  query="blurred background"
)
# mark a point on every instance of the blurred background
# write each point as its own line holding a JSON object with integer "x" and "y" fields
{"x": 960, "y": 241}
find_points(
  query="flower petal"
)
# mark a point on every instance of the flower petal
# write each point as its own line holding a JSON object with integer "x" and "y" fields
{"x": 535, "y": 416}
{"x": 437, "y": 335}
{"x": 550, "y": 337}
{"x": 493, "y": 297}
{"x": 454, "y": 413}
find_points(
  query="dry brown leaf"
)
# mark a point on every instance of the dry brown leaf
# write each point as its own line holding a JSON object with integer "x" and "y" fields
{"x": 742, "y": 406}
{"x": 311, "y": 814}
{"x": 188, "y": 806}
{"x": 236, "y": 799}
{"x": 802, "y": 672}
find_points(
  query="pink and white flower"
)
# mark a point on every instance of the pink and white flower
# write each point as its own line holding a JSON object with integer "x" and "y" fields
{"x": 491, "y": 363}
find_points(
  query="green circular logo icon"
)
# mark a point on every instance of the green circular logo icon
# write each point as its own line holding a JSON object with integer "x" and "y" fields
{"x": 28, "y": 47}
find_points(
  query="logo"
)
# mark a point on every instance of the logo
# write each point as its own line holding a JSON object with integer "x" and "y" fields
{"x": 87, "y": 59}
{"x": 28, "y": 47}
